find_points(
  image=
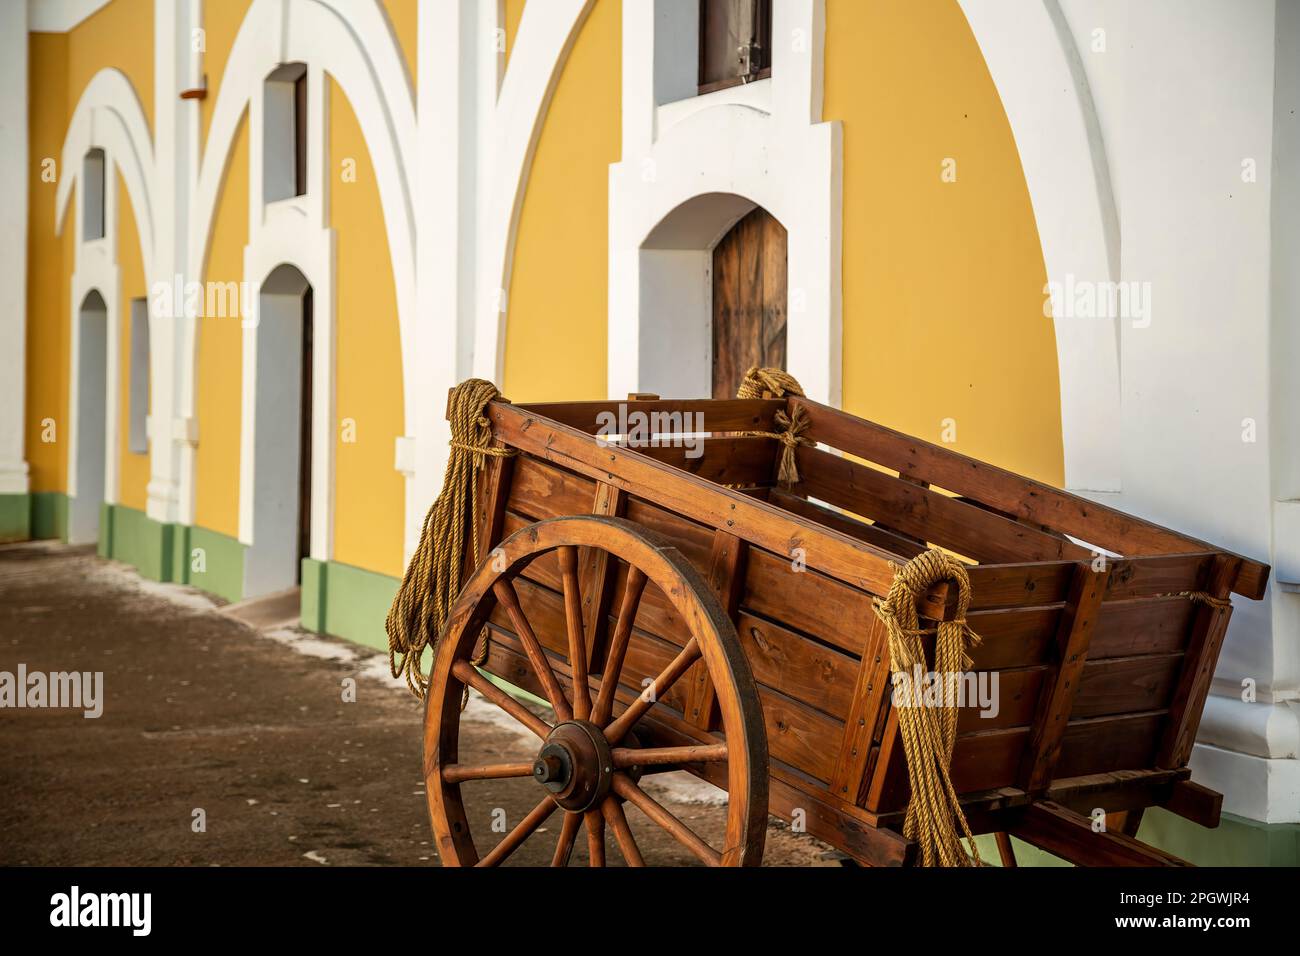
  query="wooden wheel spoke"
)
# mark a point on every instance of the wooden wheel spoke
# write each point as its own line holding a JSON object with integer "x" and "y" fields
{"x": 459, "y": 773}
{"x": 679, "y": 831}
{"x": 595, "y": 837}
{"x": 573, "y": 624}
{"x": 644, "y": 701}
{"x": 617, "y": 820}
{"x": 635, "y": 587}
{"x": 466, "y": 673}
{"x": 505, "y": 593}
{"x": 568, "y": 835}
{"x": 658, "y": 756}
{"x": 512, "y": 840}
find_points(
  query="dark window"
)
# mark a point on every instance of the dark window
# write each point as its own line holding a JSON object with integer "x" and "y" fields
{"x": 300, "y": 134}
{"x": 92, "y": 191}
{"x": 138, "y": 391}
{"x": 284, "y": 133}
{"x": 735, "y": 42}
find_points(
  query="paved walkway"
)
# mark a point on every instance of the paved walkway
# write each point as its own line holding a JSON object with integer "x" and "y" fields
{"x": 220, "y": 744}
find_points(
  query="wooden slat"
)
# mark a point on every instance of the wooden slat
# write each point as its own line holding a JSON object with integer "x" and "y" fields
{"x": 1121, "y": 685}
{"x": 1115, "y": 789}
{"x": 1070, "y": 836}
{"x": 806, "y": 601}
{"x": 1011, "y": 493}
{"x": 927, "y": 515}
{"x": 799, "y": 735}
{"x": 1117, "y": 742}
{"x": 1191, "y": 801}
{"x": 806, "y": 670}
{"x": 1158, "y": 625}
{"x": 1208, "y": 630}
{"x": 692, "y": 539}
{"x": 726, "y": 573}
{"x": 540, "y": 490}
{"x": 905, "y": 548}
{"x": 729, "y": 415}
{"x": 597, "y": 576}
{"x": 870, "y": 697}
{"x": 1014, "y": 637}
{"x": 728, "y": 460}
{"x": 1074, "y": 633}
{"x": 1157, "y": 574}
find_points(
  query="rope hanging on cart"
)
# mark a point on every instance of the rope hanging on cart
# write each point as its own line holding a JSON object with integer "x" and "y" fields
{"x": 776, "y": 383}
{"x": 433, "y": 578}
{"x": 934, "y": 815}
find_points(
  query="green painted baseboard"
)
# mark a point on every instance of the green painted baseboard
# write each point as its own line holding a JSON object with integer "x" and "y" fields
{"x": 49, "y": 515}
{"x": 211, "y": 561}
{"x": 15, "y": 518}
{"x": 347, "y": 602}
{"x": 126, "y": 534}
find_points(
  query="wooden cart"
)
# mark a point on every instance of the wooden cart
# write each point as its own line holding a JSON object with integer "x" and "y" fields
{"x": 681, "y": 609}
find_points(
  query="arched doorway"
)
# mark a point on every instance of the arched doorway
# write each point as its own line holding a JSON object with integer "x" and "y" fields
{"x": 713, "y": 275}
{"x": 91, "y": 463}
{"x": 749, "y": 300}
{"x": 282, "y": 451}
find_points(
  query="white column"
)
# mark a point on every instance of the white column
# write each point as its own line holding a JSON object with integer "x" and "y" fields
{"x": 14, "y": 183}
{"x": 176, "y": 131}
{"x": 453, "y": 46}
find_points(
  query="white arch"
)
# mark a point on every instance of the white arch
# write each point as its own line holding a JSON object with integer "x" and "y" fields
{"x": 108, "y": 116}
{"x": 353, "y": 41}
{"x": 547, "y": 33}
{"x": 1032, "y": 58}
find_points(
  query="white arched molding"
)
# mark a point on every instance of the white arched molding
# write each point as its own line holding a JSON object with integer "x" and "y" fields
{"x": 511, "y": 125}
{"x": 691, "y": 168}
{"x": 350, "y": 42}
{"x": 108, "y": 116}
{"x": 1034, "y": 62}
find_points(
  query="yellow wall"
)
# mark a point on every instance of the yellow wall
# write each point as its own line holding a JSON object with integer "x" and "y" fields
{"x": 120, "y": 35}
{"x": 221, "y": 22}
{"x": 216, "y": 491}
{"x": 47, "y": 288}
{"x": 370, "y": 493}
{"x": 943, "y": 282}
{"x": 558, "y": 298}
{"x": 404, "y": 15}
{"x": 133, "y": 468}
{"x": 513, "y": 11}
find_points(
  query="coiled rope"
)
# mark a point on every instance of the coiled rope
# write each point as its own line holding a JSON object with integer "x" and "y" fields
{"x": 768, "y": 383}
{"x": 433, "y": 577}
{"x": 776, "y": 383}
{"x": 935, "y": 820}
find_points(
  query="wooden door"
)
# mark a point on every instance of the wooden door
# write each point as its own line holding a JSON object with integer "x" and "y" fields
{"x": 749, "y": 300}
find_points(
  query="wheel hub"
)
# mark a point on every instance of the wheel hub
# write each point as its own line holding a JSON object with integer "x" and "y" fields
{"x": 575, "y": 765}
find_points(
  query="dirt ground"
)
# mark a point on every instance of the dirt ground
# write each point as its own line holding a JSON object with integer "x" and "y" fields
{"x": 223, "y": 745}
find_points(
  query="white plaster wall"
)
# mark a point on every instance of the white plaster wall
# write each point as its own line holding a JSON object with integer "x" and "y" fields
{"x": 1184, "y": 94}
{"x": 14, "y": 183}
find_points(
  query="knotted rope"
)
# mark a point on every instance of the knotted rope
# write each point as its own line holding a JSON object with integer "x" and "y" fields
{"x": 775, "y": 383}
{"x": 433, "y": 577}
{"x": 934, "y": 815}
{"x": 768, "y": 383}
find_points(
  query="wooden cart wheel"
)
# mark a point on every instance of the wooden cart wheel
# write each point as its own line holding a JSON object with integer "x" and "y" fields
{"x": 586, "y": 761}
